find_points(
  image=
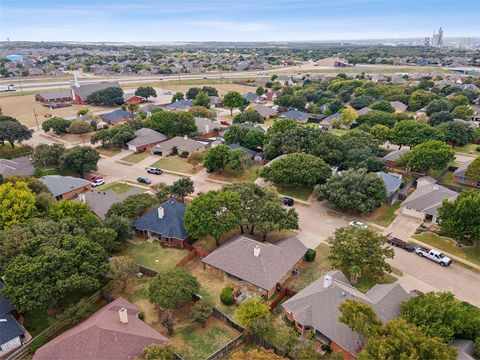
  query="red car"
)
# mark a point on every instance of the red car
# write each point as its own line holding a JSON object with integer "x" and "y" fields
{"x": 95, "y": 178}
{"x": 224, "y": 122}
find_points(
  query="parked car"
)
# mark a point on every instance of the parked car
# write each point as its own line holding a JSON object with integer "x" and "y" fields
{"x": 144, "y": 180}
{"x": 358, "y": 224}
{"x": 434, "y": 255}
{"x": 288, "y": 201}
{"x": 154, "y": 170}
{"x": 401, "y": 244}
{"x": 224, "y": 122}
{"x": 97, "y": 177}
{"x": 97, "y": 182}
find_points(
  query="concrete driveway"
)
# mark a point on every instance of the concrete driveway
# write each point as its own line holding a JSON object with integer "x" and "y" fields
{"x": 403, "y": 227}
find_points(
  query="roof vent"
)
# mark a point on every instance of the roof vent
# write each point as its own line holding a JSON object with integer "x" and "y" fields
{"x": 122, "y": 313}
{"x": 161, "y": 212}
{"x": 3, "y": 320}
{"x": 327, "y": 281}
{"x": 256, "y": 251}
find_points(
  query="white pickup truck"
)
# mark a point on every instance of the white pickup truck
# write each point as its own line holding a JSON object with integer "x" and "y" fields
{"x": 434, "y": 255}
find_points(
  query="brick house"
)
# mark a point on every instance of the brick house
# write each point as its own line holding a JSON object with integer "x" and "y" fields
{"x": 257, "y": 267}
{"x": 145, "y": 139}
{"x": 391, "y": 158}
{"x": 117, "y": 116}
{"x": 80, "y": 92}
{"x": 460, "y": 177}
{"x": 65, "y": 187}
{"x": 54, "y": 96}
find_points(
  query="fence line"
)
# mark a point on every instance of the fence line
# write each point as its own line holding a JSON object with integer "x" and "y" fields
{"x": 224, "y": 351}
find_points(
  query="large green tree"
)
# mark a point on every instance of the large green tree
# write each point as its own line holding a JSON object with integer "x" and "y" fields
{"x": 146, "y": 92}
{"x": 232, "y": 100}
{"x": 222, "y": 157}
{"x": 473, "y": 170}
{"x": 182, "y": 188}
{"x": 109, "y": 97}
{"x": 412, "y": 133}
{"x": 456, "y": 133}
{"x": 252, "y": 311}
{"x": 132, "y": 206}
{"x": 202, "y": 99}
{"x": 47, "y": 155}
{"x": 13, "y": 131}
{"x": 359, "y": 317}
{"x": 80, "y": 159}
{"x": 171, "y": 289}
{"x": 56, "y": 124}
{"x": 432, "y": 154}
{"x": 172, "y": 123}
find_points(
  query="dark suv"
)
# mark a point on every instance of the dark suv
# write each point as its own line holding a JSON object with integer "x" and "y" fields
{"x": 144, "y": 180}
{"x": 288, "y": 201}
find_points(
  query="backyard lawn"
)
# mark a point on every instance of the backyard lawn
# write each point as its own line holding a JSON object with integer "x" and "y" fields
{"x": 136, "y": 157}
{"x": 177, "y": 164}
{"x": 295, "y": 191}
{"x": 469, "y": 149}
{"x": 447, "y": 179}
{"x": 153, "y": 255}
{"x": 119, "y": 187}
{"x": 383, "y": 215}
{"x": 249, "y": 176}
{"x": 338, "y": 132}
{"x": 470, "y": 253}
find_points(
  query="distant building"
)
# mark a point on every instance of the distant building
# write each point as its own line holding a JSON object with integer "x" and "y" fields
{"x": 333, "y": 62}
{"x": 54, "y": 96}
{"x": 178, "y": 144}
{"x": 145, "y": 139}
{"x": 80, "y": 92}
{"x": 117, "y": 116}
{"x": 14, "y": 57}
{"x": 437, "y": 38}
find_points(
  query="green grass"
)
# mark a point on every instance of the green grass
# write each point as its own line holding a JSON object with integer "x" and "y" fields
{"x": 447, "y": 179}
{"x": 469, "y": 253}
{"x": 468, "y": 149}
{"x": 177, "y": 164}
{"x": 153, "y": 255}
{"x": 338, "y": 132}
{"x": 199, "y": 343}
{"x": 249, "y": 176}
{"x": 295, "y": 191}
{"x": 384, "y": 215}
{"x": 108, "y": 151}
{"x": 37, "y": 321}
{"x": 364, "y": 285}
{"x": 54, "y": 171}
{"x": 119, "y": 187}
{"x": 136, "y": 157}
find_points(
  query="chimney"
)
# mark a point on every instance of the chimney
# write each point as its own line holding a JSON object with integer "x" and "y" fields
{"x": 161, "y": 212}
{"x": 207, "y": 128}
{"x": 327, "y": 281}
{"x": 122, "y": 313}
{"x": 185, "y": 137}
{"x": 82, "y": 198}
{"x": 256, "y": 251}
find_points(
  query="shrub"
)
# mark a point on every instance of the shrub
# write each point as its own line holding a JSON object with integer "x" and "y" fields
{"x": 310, "y": 255}
{"x": 141, "y": 315}
{"x": 478, "y": 148}
{"x": 184, "y": 154}
{"x": 476, "y": 349}
{"x": 226, "y": 296}
{"x": 37, "y": 343}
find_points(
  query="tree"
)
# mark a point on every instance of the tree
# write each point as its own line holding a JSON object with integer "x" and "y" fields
{"x": 251, "y": 311}
{"x": 459, "y": 100}
{"x": 412, "y": 133}
{"x": 222, "y": 157}
{"x": 419, "y": 99}
{"x": 459, "y": 218}
{"x": 260, "y": 91}
{"x": 348, "y": 116}
{"x": 380, "y": 132}
{"x": 214, "y": 213}
{"x": 200, "y": 111}
{"x": 233, "y": 99}
{"x": 195, "y": 158}
{"x": 438, "y": 105}
{"x": 353, "y": 190}
{"x": 172, "y": 123}
{"x": 80, "y": 159}
{"x": 121, "y": 225}
{"x": 253, "y": 139}
{"x": 297, "y": 169}
{"x": 79, "y": 127}
{"x": 122, "y": 270}
{"x": 132, "y": 206}
{"x": 376, "y": 117}
{"x": 432, "y": 154}
{"x": 106, "y": 237}
{"x": 108, "y": 97}
{"x": 210, "y": 90}
{"x": 47, "y": 155}
{"x": 13, "y": 131}
{"x": 362, "y": 250}
{"x": 159, "y": 352}
{"x": 440, "y": 117}
{"x": 201, "y": 311}
{"x": 249, "y": 116}
{"x": 473, "y": 170}
{"x": 132, "y": 107}
{"x": 17, "y": 202}
{"x": 182, "y": 188}
{"x": 359, "y": 317}
{"x": 256, "y": 354}
{"x": 171, "y": 289}
{"x": 146, "y": 92}
{"x": 177, "y": 96}
{"x": 462, "y": 112}
{"x": 383, "y": 106}
{"x": 57, "y": 125}
{"x": 192, "y": 93}
{"x": 202, "y": 99}
{"x": 360, "y": 102}
{"x": 456, "y": 133}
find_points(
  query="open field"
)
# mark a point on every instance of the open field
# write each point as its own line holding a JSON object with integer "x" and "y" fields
{"x": 184, "y": 85}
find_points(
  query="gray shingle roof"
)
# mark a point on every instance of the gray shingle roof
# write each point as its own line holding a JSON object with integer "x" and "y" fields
{"x": 460, "y": 172}
{"x": 52, "y": 95}
{"x": 18, "y": 166}
{"x": 59, "y": 185}
{"x": 182, "y": 104}
{"x": 250, "y": 96}
{"x": 10, "y": 328}
{"x": 146, "y": 136}
{"x": 395, "y": 155}
{"x": 205, "y": 125}
{"x": 87, "y": 89}
{"x": 317, "y": 306}
{"x": 181, "y": 144}
{"x": 398, "y": 106}
{"x": 296, "y": 115}
{"x": 392, "y": 181}
{"x": 236, "y": 257}
{"x": 265, "y": 111}
{"x": 117, "y": 115}
{"x": 428, "y": 198}
{"x": 170, "y": 226}
{"x": 101, "y": 201}
{"x": 363, "y": 111}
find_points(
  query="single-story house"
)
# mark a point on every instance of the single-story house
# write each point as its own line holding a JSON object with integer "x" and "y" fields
{"x": 460, "y": 177}
{"x": 421, "y": 112}
{"x": 164, "y": 223}
{"x": 391, "y": 158}
{"x": 251, "y": 97}
{"x": 398, "y": 106}
{"x": 101, "y": 201}
{"x": 207, "y": 127}
{"x": 180, "y": 105}
{"x": 248, "y": 153}
{"x": 65, "y": 187}
{"x": 132, "y": 98}
{"x": 215, "y": 101}
{"x": 296, "y": 115}
{"x": 113, "y": 332}
{"x": 18, "y": 166}
{"x": 54, "y": 96}
{"x": 271, "y": 95}
{"x": 424, "y": 202}
{"x": 392, "y": 183}
{"x": 316, "y": 308}
{"x": 363, "y": 111}
{"x": 329, "y": 121}
{"x": 11, "y": 332}
{"x": 181, "y": 144}
{"x": 81, "y": 92}
{"x": 145, "y": 139}
{"x": 265, "y": 111}
{"x": 250, "y": 126}
{"x": 148, "y": 108}
{"x": 117, "y": 116}
{"x": 257, "y": 267}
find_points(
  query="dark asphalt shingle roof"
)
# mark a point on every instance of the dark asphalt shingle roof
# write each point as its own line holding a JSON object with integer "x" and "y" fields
{"x": 18, "y": 166}
{"x": 248, "y": 152}
{"x": 296, "y": 115}
{"x": 182, "y": 104}
{"x": 170, "y": 226}
{"x": 59, "y": 185}
{"x": 9, "y": 328}
{"x": 392, "y": 181}
{"x": 101, "y": 201}
{"x": 250, "y": 96}
{"x": 117, "y": 115}
{"x": 5, "y": 304}
{"x": 146, "y": 136}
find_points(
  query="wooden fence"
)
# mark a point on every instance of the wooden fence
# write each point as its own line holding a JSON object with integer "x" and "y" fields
{"x": 224, "y": 351}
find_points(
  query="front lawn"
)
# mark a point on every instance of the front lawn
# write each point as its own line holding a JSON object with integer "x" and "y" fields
{"x": 295, "y": 191}
{"x": 249, "y": 176}
{"x": 468, "y": 149}
{"x": 176, "y": 164}
{"x": 384, "y": 215}
{"x": 469, "y": 253}
{"x": 364, "y": 285}
{"x": 108, "y": 151}
{"x": 119, "y": 187}
{"x": 136, "y": 157}
{"x": 339, "y": 132}
{"x": 153, "y": 255}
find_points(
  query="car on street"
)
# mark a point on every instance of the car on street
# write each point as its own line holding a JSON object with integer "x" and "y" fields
{"x": 434, "y": 255}
{"x": 97, "y": 177}
{"x": 144, "y": 180}
{"x": 358, "y": 224}
{"x": 154, "y": 170}
{"x": 401, "y": 244}
{"x": 97, "y": 182}
{"x": 288, "y": 201}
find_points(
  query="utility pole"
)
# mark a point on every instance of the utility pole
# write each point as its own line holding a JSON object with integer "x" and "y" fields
{"x": 36, "y": 120}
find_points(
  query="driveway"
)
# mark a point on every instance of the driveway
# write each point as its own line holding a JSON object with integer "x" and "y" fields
{"x": 403, "y": 227}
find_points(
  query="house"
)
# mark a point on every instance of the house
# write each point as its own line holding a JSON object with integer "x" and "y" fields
{"x": 164, "y": 223}
{"x": 80, "y": 92}
{"x": 54, "y": 96}
{"x": 316, "y": 308}
{"x": 132, "y": 98}
{"x": 296, "y": 115}
{"x": 392, "y": 183}
{"x": 101, "y": 201}
{"x": 215, "y": 101}
{"x": 363, "y": 111}
{"x": 424, "y": 202}
{"x": 248, "y": 153}
{"x": 265, "y": 111}
{"x": 11, "y": 332}
{"x": 206, "y": 127}
{"x": 178, "y": 144}
{"x": 476, "y": 113}
{"x": 398, "y": 106}
{"x": 330, "y": 121}
{"x": 460, "y": 177}
{"x": 117, "y": 116}
{"x": 113, "y": 332}
{"x": 391, "y": 158}
{"x": 65, "y": 187}
{"x": 257, "y": 267}
{"x": 145, "y": 139}
{"x": 271, "y": 95}
{"x": 465, "y": 349}
{"x": 421, "y": 112}
{"x": 251, "y": 97}
{"x": 18, "y": 166}
{"x": 180, "y": 105}
{"x": 333, "y": 62}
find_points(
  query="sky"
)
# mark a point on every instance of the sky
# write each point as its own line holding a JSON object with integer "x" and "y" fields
{"x": 234, "y": 20}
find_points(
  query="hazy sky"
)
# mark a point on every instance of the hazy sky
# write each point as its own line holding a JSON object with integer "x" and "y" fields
{"x": 240, "y": 20}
